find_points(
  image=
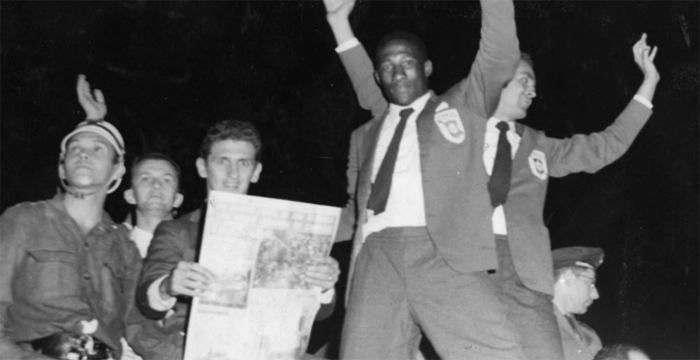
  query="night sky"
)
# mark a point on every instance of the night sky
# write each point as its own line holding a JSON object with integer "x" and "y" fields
{"x": 171, "y": 69}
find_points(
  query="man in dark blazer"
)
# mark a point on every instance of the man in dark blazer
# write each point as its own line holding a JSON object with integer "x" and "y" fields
{"x": 414, "y": 265}
{"x": 229, "y": 161}
{"x": 461, "y": 216}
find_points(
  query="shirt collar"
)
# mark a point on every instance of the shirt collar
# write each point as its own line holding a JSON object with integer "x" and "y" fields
{"x": 57, "y": 203}
{"x": 138, "y": 233}
{"x": 417, "y": 105}
{"x": 491, "y": 124}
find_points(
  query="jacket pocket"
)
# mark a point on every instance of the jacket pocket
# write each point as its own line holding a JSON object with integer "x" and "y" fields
{"x": 51, "y": 274}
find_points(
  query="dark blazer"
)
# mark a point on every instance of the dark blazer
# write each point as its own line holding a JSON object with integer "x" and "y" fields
{"x": 457, "y": 205}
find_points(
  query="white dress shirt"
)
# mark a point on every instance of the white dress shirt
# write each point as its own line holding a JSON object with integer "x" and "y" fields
{"x": 498, "y": 218}
{"x": 405, "y": 206}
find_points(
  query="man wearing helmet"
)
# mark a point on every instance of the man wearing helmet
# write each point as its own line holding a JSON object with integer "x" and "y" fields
{"x": 67, "y": 275}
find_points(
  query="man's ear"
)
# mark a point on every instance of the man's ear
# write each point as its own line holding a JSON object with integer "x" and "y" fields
{"x": 256, "y": 173}
{"x": 201, "y": 167}
{"x": 129, "y": 196}
{"x": 376, "y": 78}
{"x": 568, "y": 276}
{"x": 428, "y": 68}
{"x": 61, "y": 170}
{"x": 120, "y": 171}
{"x": 178, "y": 200}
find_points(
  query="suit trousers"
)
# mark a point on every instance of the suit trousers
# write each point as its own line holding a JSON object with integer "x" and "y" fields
{"x": 530, "y": 311}
{"x": 403, "y": 286}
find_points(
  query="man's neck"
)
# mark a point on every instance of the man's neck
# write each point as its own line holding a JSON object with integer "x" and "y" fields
{"x": 559, "y": 306}
{"x": 149, "y": 220}
{"x": 417, "y": 104}
{"x": 87, "y": 212}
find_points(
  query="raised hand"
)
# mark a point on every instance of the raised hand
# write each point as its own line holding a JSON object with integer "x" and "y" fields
{"x": 94, "y": 106}
{"x": 644, "y": 58}
{"x": 341, "y": 8}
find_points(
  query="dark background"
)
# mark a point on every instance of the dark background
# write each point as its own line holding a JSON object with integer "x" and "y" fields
{"x": 170, "y": 69}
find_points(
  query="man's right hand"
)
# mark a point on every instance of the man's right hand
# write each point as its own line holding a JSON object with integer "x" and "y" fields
{"x": 339, "y": 8}
{"x": 188, "y": 278}
{"x": 95, "y": 107}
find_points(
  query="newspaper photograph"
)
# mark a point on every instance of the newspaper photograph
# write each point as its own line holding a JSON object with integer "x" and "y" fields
{"x": 260, "y": 307}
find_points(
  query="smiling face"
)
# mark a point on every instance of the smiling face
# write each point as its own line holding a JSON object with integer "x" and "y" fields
{"x": 154, "y": 186}
{"x": 401, "y": 72}
{"x": 90, "y": 162}
{"x": 231, "y": 166}
{"x": 517, "y": 96}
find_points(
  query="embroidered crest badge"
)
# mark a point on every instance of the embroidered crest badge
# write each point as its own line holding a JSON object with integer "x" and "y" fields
{"x": 538, "y": 164}
{"x": 450, "y": 125}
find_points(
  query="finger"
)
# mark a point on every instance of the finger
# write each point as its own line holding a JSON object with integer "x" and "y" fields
{"x": 194, "y": 276}
{"x": 643, "y": 38}
{"x": 324, "y": 285}
{"x": 199, "y": 269}
{"x": 325, "y": 269}
{"x": 195, "y": 284}
{"x": 99, "y": 96}
{"x": 183, "y": 291}
{"x": 80, "y": 83}
{"x": 652, "y": 56}
{"x": 321, "y": 276}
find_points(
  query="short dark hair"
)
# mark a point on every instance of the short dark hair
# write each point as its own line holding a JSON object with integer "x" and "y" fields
{"x": 617, "y": 352}
{"x": 155, "y": 156}
{"x": 236, "y": 130}
{"x": 415, "y": 42}
{"x": 527, "y": 58}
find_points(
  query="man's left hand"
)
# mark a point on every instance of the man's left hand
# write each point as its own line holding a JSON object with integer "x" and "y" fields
{"x": 323, "y": 273}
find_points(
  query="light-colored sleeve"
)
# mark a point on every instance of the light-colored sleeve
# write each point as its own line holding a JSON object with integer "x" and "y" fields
{"x": 497, "y": 59}
{"x": 348, "y": 216}
{"x": 360, "y": 69}
{"x": 590, "y": 153}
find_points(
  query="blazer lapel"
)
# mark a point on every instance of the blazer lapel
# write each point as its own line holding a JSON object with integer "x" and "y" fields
{"x": 424, "y": 125}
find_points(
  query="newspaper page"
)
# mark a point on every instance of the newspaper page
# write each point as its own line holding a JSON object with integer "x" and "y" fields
{"x": 260, "y": 307}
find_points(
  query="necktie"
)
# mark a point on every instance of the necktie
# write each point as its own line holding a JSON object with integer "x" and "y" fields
{"x": 382, "y": 183}
{"x": 499, "y": 184}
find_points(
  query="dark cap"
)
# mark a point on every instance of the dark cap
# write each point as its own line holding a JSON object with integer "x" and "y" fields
{"x": 589, "y": 257}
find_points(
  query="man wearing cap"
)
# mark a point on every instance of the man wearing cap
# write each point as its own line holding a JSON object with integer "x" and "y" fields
{"x": 67, "y": 272}
{"x": 574, "y": 291}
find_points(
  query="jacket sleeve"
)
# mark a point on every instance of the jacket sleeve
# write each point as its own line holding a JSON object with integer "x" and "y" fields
{"x": 166, "y": 250}
{"x": 348, "y": 217}
{"x": 497, "y": 59}
{"x": 361, "y": 72}
{"x": 590, "y": 153}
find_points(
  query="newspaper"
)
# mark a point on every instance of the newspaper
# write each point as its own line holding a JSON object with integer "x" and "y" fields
{"x": 260, "y": 307}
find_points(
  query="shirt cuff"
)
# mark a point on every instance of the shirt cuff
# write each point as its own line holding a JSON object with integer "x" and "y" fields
{"x": 347, "y": 45}
{"x": 326, "y": 297}
{"x": 155, "y": 301}
{"x": 642, "y": 100}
